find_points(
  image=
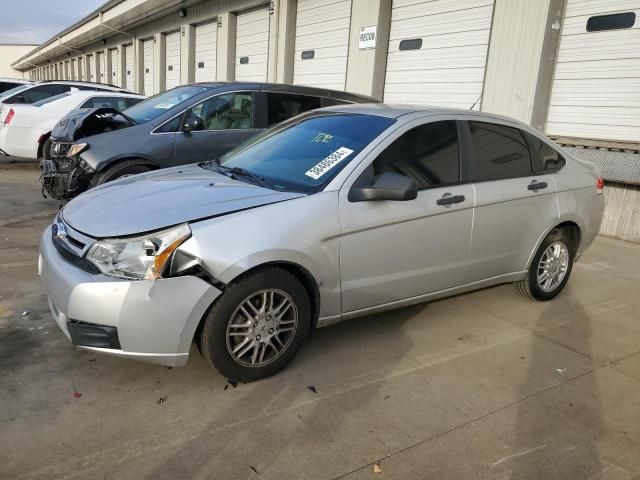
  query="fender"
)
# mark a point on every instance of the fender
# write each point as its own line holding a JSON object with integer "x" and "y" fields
{"x": 568, "y": 217}
{"x": 146, "y": 160}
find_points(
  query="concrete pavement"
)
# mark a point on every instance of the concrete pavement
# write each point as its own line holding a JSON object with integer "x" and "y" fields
{"x": 484, "y": 385}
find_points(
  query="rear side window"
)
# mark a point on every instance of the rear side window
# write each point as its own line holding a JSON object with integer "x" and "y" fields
{"x": 429, "y": 154}
{"x": 545, "y": 158}
{"x": 282, "y": 106}
{"x": 38, "y": 93}
{"x": 499, "y": 152}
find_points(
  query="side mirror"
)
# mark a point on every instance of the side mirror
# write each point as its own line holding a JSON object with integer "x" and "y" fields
{"x": 388, "y": 186}
{"x": 191, "y": 124}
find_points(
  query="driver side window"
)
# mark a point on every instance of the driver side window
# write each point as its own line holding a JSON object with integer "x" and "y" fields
{"x": 428, "y": 153}
{"x": 231, "y": 111}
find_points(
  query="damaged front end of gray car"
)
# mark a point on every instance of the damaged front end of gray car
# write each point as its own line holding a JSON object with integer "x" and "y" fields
{"x": 64, "y": 173}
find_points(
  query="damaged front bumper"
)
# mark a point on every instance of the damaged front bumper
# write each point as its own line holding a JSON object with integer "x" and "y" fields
{"x": 64, "y": 178}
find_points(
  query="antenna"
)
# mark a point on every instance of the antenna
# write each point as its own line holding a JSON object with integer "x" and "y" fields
{"x": 476, "y": 102}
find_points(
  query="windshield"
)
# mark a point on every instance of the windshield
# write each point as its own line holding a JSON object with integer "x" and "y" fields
{"x": 304, "y": 155}
{"x": 155, "y": 106}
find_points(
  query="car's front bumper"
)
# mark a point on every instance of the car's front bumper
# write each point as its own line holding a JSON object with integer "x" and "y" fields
{"x": 155, "y": 319}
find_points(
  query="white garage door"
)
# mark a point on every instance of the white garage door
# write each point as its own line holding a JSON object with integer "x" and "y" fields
{"x": 172, "y": 60}
{"x": 114, "y": 59}
{"x": 147, "y": 65}
{"x": 206, "y": 40}
{"x": 73, "y": 75}
{"x": 91, "y": 74}
{"x": 438, "y": 52}
{"x": 129, "y": 67}
{"x": 102, "y": 68}
{"x": 252, "y": 45}
{"x": 596, "y": 87}
{"x": 322, "y": 43}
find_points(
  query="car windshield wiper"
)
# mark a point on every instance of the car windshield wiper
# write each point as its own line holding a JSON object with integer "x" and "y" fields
{"x": 237, "y": 171}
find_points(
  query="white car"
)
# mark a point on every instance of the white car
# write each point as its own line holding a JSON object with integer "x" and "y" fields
{"x": 25, "y": 129}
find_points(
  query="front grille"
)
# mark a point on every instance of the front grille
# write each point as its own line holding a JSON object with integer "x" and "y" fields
{"x": 73, "y": 259}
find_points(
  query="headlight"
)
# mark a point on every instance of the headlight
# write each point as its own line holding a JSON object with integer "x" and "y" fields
{"x": 138, "y": 258}
{"x": 76, "y": 149}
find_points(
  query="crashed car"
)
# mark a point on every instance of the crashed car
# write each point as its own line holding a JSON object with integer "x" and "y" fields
{"x": 187, "y": 124}
{"x": 338, "y": 213}
{"x": 63, "y": 177}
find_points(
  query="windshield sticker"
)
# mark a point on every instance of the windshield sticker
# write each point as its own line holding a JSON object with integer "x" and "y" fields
{"x": 322, "y": 138}
{"x": 164, "y": 106}
{"x": 328, "y": 163}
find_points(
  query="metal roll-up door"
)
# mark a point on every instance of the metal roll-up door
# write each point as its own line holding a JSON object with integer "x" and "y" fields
{"x": 81, "y": 70}
{"x": 596, "y": 85}
{"x": 114, "y": 59}
{"x": 101, "y": 74}
{"x": 438, "y": 52}
{"x": 205, "y": 55}
{"x": 72, "y": 69}
{"x": 172, "y": 60}
{"x": 129, "y": 67}
{"x": 91, "y": 74}
{"x": 322, "y": 43}
{"x": 147, "y": 65}
{"x": 252, "y": 45}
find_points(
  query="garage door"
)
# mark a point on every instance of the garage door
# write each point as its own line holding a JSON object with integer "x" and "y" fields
{"x": 102, "y": 68}
{"x": 129, "y": 67}
{"x": 596, "y": 86}
{"x": 172, "y": 60}
{"x": 114, "y": 59}
{"x": 438, "y": 52}
{"x": 91, "y": 67}
{"x": 206, "y": 40}
{"x": 82, "y": 70}
{"x": 252, "y": 45}
{"x": 322, "y": 43}
{"x": 147, "y": 65}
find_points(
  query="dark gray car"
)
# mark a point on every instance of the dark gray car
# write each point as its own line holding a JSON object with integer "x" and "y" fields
{"x": 188, "y": 124}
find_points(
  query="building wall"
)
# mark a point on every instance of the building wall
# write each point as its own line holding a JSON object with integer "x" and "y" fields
{"x": 9, "y": 53}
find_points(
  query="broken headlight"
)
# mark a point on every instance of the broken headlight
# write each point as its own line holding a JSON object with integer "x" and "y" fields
{"x": 138, "y": 258}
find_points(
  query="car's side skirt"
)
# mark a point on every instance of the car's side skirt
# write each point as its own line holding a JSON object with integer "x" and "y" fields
{"x": 449, "y": 292}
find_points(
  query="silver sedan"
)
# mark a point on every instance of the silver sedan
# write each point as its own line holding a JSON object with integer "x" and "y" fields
{"x": 335, "y": 214}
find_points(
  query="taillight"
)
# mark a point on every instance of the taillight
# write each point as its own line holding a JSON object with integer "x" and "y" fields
{"x": 9, "y": 117}
{"x": 599, "y": 186}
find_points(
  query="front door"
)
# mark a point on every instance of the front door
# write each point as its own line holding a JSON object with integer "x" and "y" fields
{"x": 397, "y": 250}
{"x": 220, "y": 124}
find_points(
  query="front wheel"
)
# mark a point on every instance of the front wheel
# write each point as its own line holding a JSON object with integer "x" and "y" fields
{"x": 257, "y": 325}
{"x": 550, "y": 269}
{"x": 119, "y": 170}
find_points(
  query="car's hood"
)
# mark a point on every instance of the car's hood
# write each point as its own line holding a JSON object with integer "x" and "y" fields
{"x": 155, "y": 200}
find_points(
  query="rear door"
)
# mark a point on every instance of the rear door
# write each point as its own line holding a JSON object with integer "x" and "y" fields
{"x": 223, "y": 122}
{"x": 514, "y": 206}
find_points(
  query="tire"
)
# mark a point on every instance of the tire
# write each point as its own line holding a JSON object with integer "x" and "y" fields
{"x": 119, "y": 170}
{"x": 228, "y": 328}
{"x": 543, "y": 288}
{"x": 46, "y": 149}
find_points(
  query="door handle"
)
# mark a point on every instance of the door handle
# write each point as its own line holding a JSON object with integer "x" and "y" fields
{"x": 535, "y": 186}
{"x": 448, "y": 199}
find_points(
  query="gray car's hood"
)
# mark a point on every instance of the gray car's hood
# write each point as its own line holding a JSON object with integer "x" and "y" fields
{"x": 152, "y": 201}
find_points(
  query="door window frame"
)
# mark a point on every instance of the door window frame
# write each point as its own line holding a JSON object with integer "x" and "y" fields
{"x": 469, "y": 155}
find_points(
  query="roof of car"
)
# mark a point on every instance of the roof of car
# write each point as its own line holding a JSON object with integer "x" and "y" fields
{"x": 106, "y": 86}
{"x": 16, "y": 80}
{"x": 289, "y": 88}
{"x": 398, "y": 110}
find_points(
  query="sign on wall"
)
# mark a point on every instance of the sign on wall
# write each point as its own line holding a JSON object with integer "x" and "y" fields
{"x": 368, "y": 37}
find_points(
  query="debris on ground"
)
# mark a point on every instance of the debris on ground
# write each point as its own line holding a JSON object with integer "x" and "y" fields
{"x": 387, "y": 397}
{"x": 25, "y": 313}
{"x": 77, "y": 394}
{"x": 561, "y": 370}
{"x": 312, "y": 388}
{"x": 233, "y": 383}
{"x": 254, "y": 469}
{"x": 377, "y": 468}
{"x": 161, "y": 400}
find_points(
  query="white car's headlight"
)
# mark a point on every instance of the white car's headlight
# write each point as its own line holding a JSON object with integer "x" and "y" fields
{"x": 138, "y": 258}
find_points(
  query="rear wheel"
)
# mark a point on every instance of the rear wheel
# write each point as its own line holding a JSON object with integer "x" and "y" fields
{"x": 257, "y": 325}
{"x": 119, "y": 170}
{"x": 551, "y": 267}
